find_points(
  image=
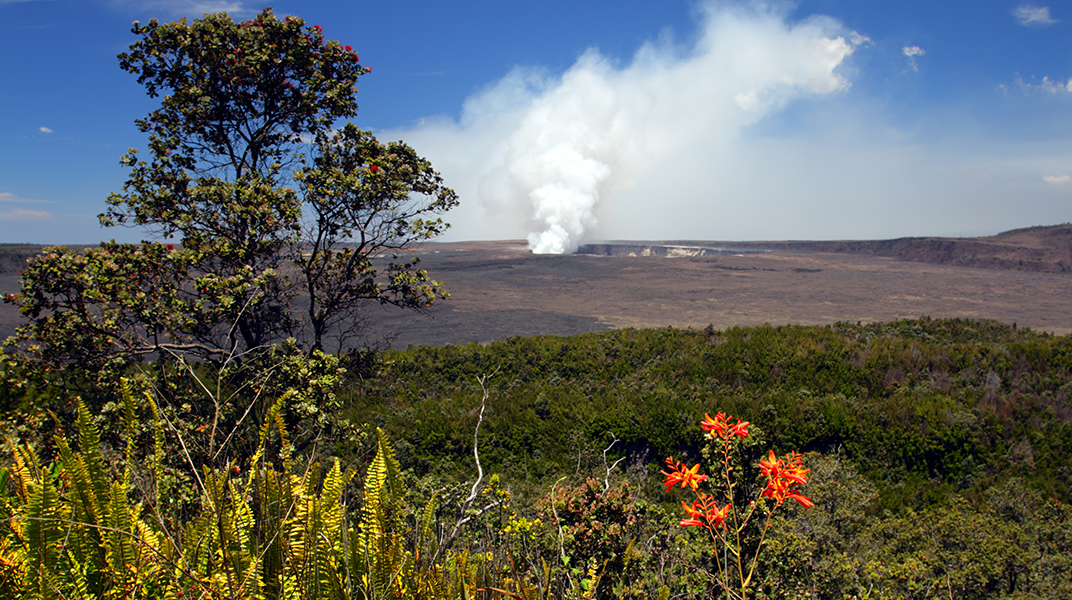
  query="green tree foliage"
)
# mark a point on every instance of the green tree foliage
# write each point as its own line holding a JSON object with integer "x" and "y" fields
{"x": 921, "y": 408}
{"x": 360, "y": 193}
{"x": 938, "y": 457}
{"x": 246, "y": 117}
{"x": 239, "y": 96}
{"x": 115, "y": 302}
{"x": 266, "y": 201}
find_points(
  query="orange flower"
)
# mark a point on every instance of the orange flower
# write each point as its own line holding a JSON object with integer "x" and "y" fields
{"x": 705, "y": 513}
{"x": 679, "y": 473}
{"x": 803, "y": 500}
{"x": 716, "y": 426}
{"x": 695, "y": 513}
{"x": 720, "y": 428}
{"x": 769, "y": 465}
{"x": 740, "y": 429}
{"x": 782, "y": 475}
{"x": 717, "y": 516}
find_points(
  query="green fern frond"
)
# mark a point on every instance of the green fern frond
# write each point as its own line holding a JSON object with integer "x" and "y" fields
{"x": 285, "y": 449}
{"x": 265, "y": 431}
{"x": 13, "y": 569}
{"x": 197, "y": 550}
{"x": 379, "y": 557}
{"x": 130, "y": 416}
{"x": 242, "y": 528}
{"x": 119, "y": 547}
{"x": 75, "y": 583}
{"x": 425, "y": 535}
{"x": 383, "y": 488}
{"x": 42, "y": 536}
{"x": 86, "y": 504}
{"x": 89, "y": 451}
{"x": 156, "y": 466}
{"x": 88, "y": 475}
{"x": 274, "y": 423}
{"x": 25, "y": 472}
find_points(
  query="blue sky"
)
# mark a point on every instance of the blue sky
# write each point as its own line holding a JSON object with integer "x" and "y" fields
{"x": 629, "y": 119}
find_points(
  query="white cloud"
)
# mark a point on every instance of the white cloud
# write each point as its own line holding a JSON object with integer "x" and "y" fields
{"x": 742, "y": 136}
{"x": 189, "y": 8}
{"x": 1058, "y": 179}
{"x": 9, "y": 197}
{"x": 25, "y": 215}
{"x": 863, "y": 184}
{"x": 547, "y": 156}
{"x": 44, "y": 130}
{"x": 1033, "y": 16}
{"x": 1055, "y": 86}
{"x": 1047, "y": 85}
{"x": 912, "y": 52}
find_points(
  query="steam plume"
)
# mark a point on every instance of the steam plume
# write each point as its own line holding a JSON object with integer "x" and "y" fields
{"x": 550, "y": 153}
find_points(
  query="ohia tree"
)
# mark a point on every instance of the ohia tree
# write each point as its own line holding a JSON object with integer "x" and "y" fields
{"x": 264, "y": 199}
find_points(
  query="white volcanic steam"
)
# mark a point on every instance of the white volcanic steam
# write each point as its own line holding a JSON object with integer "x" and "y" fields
{"x": 555, "y": 150}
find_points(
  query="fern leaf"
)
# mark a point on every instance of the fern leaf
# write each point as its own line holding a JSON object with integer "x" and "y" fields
{"x": 42, "y": 536}
{"x": 89, "y": 451}
{"x": 156, "y": 467}
{"x": 424, "y": 528}
{"x": 130, "y": 416}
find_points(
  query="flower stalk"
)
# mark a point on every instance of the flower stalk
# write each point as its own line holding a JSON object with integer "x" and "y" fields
{"x": 727, "y": 525}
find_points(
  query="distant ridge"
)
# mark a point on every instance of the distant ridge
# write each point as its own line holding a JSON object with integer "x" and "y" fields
{"x": 1040, "y": 249}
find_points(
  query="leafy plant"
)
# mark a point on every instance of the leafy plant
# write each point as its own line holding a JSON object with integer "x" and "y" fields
{"x": 244, "y": 105}
{"x": 732, "y": 533}
{"x": 78, "y": 529}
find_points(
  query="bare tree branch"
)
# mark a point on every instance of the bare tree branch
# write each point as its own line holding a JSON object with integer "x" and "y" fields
{"x": 606, "y": 479}
{"x": 462, "y": 519}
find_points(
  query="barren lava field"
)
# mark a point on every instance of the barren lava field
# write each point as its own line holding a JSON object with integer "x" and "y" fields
{"x": 500, "y": 289}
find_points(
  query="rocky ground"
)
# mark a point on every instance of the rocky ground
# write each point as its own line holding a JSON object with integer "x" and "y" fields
{"x": 500, "y": 289}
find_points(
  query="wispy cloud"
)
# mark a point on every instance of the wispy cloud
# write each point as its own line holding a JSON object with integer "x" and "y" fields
{"x": 912, "y": 52}
{"x": 1033, "y": 16}
{"x": 9, "y": 197}
{"x": 22, "y": 215}
{"x": 188, "y": 8}
{"x": 25, "y": 214}
{"x": 44, "y": 130}
{"x": 1058, "y": 179}
{"x": 1047, "y": 85}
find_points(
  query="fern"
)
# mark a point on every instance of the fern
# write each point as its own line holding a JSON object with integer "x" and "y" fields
{"x": 77, "y": 531}
{"x": 380, "y": 558}
{"x": 42, "y": 534}
{"x": 425, "y": 535}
